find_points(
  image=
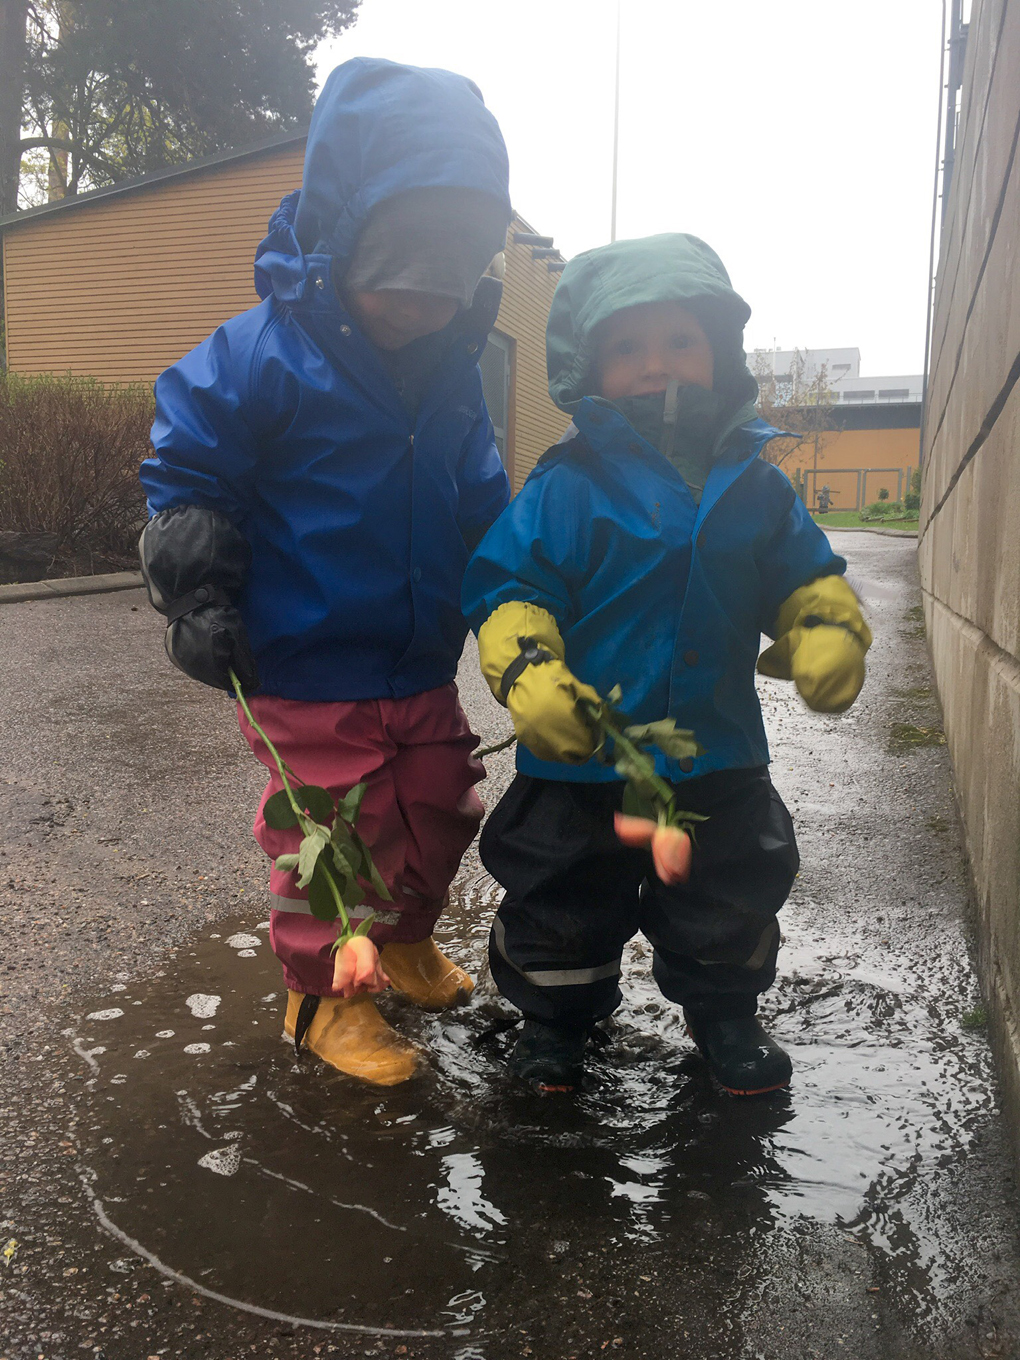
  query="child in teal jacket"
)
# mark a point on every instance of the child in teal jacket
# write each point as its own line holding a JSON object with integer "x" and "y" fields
{"x": 650, "y": 549}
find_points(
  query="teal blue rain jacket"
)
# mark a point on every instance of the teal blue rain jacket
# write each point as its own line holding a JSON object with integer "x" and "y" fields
{"x": 652, "y": 592}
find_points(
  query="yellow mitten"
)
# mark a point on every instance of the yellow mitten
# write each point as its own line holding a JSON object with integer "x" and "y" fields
{"x": 540, "y": 694}
{"x": 821, "y": 640}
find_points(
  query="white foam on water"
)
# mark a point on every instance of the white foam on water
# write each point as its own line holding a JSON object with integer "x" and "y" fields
{"x": 243, "y": 941}
{"x": 225, "y": 1161}
{"x": 264, "y": 925}
{"x": 164, "y": 1034}
{"x": 197, "y": 1048}
{"x": 142, "y": 1053}
{"x": 114, "y": 1013}
{"x": 203, "y": 1007}
{"x": 247, "y": 954}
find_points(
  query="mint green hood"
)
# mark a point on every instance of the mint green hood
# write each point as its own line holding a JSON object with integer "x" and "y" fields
{"x": 673, "y": 267}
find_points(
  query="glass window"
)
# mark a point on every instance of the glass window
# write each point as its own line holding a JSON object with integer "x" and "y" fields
{"x": 495, "y": 366}
{"x": 859, "y": 396}
{"x": 894, "y": 394}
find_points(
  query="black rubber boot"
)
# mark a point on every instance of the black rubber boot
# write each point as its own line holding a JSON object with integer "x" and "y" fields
{"x": 742, "y": 1056}
{"x": 550, "y": 1057}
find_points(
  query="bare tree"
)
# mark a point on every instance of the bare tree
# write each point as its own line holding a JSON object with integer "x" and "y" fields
{"x": 800, "y": 401}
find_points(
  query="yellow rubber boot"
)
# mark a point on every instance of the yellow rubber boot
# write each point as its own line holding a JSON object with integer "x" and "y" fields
{"x": 351, "y": 1035}
{"x": 424, "y": 974}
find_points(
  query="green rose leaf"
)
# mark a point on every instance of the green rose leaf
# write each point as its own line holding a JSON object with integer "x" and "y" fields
{"x": 278, "y": 812}
{"x": 344, "y": 846}
{"x": 349, "y": 807}
{"x": 321, "y": 901}
{"x": 286, "y": 863}
{"x": 311, "y": 848}
{"x": 350, "y": 889}
{"x": 675, "y": 742}
{"x": 364, "y": 927}
{"x": 369, "y": 871}
{"x": 317, "y": 802}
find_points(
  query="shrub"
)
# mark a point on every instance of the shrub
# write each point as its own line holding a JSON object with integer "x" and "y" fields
{"x": 912, "y": 500}
{"x": 883, "y": 493}
{"x": 70, "y": 448}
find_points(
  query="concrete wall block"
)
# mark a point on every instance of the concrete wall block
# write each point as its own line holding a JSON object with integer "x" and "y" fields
{"x": 980, "y": 689}
{"x": 971, "y": 552}
{"x": 985, "y": 24}
{"x": 982, "y": 169}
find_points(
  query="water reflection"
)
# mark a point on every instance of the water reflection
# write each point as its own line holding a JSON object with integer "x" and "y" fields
{"x": 458, "y": 1201}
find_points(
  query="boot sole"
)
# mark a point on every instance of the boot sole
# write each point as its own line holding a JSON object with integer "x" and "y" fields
{"x": 759, "y": 1091}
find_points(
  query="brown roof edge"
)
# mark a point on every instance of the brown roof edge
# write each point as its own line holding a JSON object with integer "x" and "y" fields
{"x": 156, "y": 177}
{"x": 515, "y": 218}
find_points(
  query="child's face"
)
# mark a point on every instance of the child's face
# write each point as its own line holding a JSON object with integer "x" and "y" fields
{"x": 641, "y": 349}
{"x": 393, "y": 317}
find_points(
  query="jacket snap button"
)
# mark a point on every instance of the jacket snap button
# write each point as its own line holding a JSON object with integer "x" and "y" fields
{"x": 345, "y": 330}
{"x": 416, "y": 574}
{"x": 320, "y": 282}
{"x": 687, "y": 764}
{"x": 691, "y": 657}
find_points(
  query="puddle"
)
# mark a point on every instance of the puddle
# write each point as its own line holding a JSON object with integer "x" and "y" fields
{"x": 273, "y": 1183}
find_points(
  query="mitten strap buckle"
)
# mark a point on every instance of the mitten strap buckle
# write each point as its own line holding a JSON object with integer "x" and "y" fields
{"x": 196, "y": 599}
{"x": 531, "y": 654}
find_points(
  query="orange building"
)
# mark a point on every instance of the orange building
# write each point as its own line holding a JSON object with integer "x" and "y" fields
{"x": 121, "y": 282}
{"x": 864, "y": 449}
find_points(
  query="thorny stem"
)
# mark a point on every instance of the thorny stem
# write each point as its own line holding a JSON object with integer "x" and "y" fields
{"x": 484, "y": 751}
{"x": 303, "y": 819}
{"x": 666, "y": 810}
{"x": 605, "y": 724}
{"x": 299, "y": 811}
{"x": 345, "y": 920}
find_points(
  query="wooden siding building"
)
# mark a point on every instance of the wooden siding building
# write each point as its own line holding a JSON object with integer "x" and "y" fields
{"x": 121, "y": 282}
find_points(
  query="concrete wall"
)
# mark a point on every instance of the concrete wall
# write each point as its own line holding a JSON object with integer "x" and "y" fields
{"x": 970, "y": 516}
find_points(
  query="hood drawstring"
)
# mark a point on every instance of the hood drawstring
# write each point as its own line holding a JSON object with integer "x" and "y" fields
{"x": 670, "y": 409}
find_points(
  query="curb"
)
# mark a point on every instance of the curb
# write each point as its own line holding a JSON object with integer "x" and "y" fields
{"x": 861, "y": 529}
{"x": 71, "y": 585}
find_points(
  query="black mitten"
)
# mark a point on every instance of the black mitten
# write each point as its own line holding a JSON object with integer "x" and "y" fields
{"x": 193, "y": 561}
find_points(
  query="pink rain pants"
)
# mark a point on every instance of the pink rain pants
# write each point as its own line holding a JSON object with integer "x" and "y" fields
{"x": 419, "y": 815}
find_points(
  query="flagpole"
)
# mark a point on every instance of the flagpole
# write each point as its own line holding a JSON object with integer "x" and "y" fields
{"x": 616, "y": 125}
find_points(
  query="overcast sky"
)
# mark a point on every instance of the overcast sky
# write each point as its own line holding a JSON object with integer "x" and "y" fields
{"x": 798, "y": 139}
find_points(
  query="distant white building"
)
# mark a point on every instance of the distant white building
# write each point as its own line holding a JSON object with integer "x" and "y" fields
{"x": 842, "y": 373}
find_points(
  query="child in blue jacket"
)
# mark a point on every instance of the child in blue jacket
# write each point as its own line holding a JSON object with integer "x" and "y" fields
{"x": 650, "y": 549}
{"x": 324, "y": 465}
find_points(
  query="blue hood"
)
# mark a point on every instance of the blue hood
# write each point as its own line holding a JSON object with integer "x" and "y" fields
{"x": 378, "y": 129}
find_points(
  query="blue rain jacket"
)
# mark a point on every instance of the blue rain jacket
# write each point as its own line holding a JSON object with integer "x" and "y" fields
{"x": 360, "y": 519}
{"x": 652, "y": 592}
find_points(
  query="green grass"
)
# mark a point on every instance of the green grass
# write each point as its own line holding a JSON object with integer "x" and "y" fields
{"x": 850, "y": 519}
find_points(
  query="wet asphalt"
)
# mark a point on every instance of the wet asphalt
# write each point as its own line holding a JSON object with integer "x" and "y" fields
{"x": 174, "y": 1183}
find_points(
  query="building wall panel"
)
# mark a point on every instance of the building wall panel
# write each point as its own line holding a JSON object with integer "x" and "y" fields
{"x": 969, "y": 547}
